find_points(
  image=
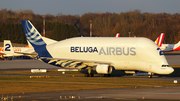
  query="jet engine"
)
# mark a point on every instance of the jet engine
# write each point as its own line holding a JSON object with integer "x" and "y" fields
{"x": 103, "y": 69}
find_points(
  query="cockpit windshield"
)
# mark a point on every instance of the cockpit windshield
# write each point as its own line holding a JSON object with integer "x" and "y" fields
{"x": 165, "y": 66}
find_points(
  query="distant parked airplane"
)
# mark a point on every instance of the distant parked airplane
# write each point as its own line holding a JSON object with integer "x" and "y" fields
{"x": 117, "y": 35}
{"x": 167, "y": 47}
{"x": 9, "y": 51}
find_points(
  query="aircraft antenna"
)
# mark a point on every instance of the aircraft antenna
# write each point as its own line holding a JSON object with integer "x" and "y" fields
{"x": 129, "y": 34}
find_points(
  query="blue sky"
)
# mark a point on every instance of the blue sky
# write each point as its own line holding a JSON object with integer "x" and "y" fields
{"x": 79, "y": 7}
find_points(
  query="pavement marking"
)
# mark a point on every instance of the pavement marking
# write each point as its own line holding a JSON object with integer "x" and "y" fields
{"x": 125, "y": 99}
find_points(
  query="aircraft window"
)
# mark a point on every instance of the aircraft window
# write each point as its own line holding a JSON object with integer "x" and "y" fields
{"x": 163, "y": 65}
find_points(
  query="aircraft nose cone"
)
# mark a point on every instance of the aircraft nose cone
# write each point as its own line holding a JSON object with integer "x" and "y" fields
{"x": 170, "y": 70}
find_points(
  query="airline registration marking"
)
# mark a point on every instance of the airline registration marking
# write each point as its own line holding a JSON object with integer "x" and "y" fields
{"x": 105, "y": 50}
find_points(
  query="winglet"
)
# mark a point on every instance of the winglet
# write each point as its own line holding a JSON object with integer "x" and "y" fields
{"x": 159, "y": 40}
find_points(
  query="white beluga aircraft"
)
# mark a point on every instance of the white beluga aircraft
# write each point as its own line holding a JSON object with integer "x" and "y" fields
{"x": 101, "y": 54}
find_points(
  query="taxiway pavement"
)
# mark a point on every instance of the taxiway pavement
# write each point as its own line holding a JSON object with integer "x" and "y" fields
{"x": 156, "y": 93}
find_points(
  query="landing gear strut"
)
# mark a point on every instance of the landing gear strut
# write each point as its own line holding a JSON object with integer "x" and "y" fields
{"x": 89, "y": 74}
{"x": 149, "y": 75}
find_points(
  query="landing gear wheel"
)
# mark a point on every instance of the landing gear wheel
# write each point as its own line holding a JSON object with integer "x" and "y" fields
{"x": 89, "y": 75}
{"x": 86, "y": 75}
{"x": 106, "y": 75}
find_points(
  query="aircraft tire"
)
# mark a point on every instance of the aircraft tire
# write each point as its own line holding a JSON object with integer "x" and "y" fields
{"x": 86, "y": 75}
{"x": 91, "y": 75}
{"x": 106, "y": 75}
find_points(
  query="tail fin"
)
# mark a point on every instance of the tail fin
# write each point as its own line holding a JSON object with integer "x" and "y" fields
{"x": 35, "y": 39}
{"x": 117, "y": 35}
{"x": 32, "y": 35}
{"x": 177, "y": 46}
{"x": 159, "y": 40}
{"x": 8, "y": 50}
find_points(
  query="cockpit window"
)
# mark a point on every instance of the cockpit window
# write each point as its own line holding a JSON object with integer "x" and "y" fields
{"x": 165, "y": 66}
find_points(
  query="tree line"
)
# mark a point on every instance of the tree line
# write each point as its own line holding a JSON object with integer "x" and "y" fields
{"x": 60, "y": 26}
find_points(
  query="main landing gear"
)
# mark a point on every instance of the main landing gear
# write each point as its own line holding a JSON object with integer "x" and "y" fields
{"x": 149, "y": 75}
{"x": 92, "y": 75}
{"x": 89, "y": 75}
{"x": 105, "y": 75}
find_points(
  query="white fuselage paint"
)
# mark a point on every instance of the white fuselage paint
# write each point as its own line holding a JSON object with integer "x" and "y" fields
{"x": 124, "y": 53}
{"x": 170, "y": 47}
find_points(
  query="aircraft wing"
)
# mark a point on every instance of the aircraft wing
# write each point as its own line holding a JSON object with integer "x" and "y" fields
{"x": 2, "y": 53}
{"x": 71, "y": 63}
{"x": 26, "y": 53}
{"x": 33, "y": 55}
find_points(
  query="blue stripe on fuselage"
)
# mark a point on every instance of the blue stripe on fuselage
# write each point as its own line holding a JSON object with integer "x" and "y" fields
{"x": 42, "y": 51}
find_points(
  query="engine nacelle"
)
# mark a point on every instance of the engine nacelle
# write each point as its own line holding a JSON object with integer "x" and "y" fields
{"x": 103, "y": 69}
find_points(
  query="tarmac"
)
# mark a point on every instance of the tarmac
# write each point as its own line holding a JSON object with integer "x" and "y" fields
{"x": 128, "y": 94}
{"x": 124, "y": 94}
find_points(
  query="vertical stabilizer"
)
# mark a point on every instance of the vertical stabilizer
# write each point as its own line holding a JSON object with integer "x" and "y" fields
{"x": 35, "y": 39}
{"x": 32, "y": 35}
{"x": 8, "y": 50}
{"x": 117, "y": 35}
{"x": 159, "y": 40}
{"x": 177, "y": 46}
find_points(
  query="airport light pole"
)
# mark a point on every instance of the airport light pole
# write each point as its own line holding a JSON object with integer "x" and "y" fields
{"x": 129, "y": 34}
{"x": 90, "y": 28}
{"x": 44, "y": 25}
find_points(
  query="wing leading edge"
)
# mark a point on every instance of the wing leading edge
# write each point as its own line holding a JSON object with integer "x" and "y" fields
{"x": 73, "y": 63}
